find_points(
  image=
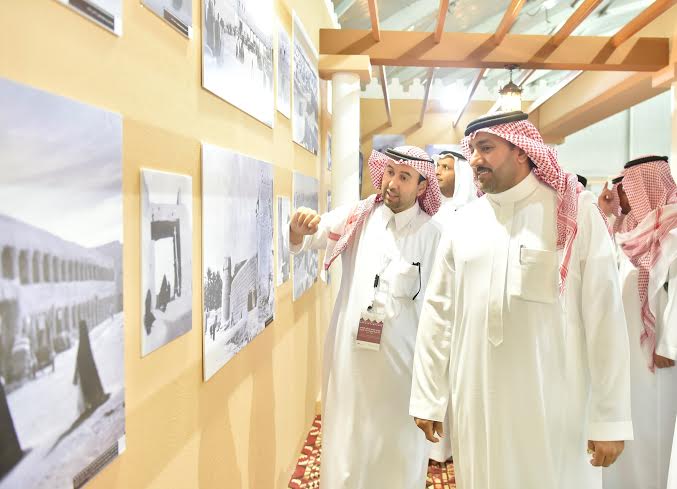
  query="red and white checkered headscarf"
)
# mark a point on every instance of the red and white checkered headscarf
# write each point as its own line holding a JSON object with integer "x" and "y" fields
{"x": 339, "y": 239}
{"x": 651, "y": 191}
{"x": 524, "y": 135}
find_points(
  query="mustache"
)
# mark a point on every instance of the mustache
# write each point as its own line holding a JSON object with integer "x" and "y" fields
{"x": 477, "y": 169}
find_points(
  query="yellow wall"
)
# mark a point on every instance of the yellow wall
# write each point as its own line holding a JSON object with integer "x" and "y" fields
{"x": 244, "y": 428}
{"x": 437, "y": 126}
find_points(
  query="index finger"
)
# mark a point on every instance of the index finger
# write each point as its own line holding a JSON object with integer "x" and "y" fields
{"x": 597, "y": 459}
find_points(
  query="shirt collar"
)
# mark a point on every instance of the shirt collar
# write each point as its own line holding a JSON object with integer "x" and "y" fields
{"x": 401, "y": 219}
{"x": 519, "y": 192}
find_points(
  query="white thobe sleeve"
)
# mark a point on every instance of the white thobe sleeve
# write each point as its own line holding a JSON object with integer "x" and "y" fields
{"x": 430, "y": 379}
{"x": 328, "y": 221}
{"x": 666, "y": 344}
{"x": 606, "y": 334}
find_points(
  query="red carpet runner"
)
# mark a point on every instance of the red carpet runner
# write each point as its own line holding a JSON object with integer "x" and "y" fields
{"x": 307, "y": 472}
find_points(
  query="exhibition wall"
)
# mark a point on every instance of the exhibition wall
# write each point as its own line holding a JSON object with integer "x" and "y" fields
{"x": 244, "y": 427}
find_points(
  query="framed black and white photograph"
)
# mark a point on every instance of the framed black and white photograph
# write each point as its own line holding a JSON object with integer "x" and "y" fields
{"x": 106, "y": 13}
{"x": 435, "y": 149}
{"x": 166, "y": 258}
{"x": 177, "y": 13}
{"x": 237, "y": 54}
{"x": 382, "y": 141}
{"x": 305, "y": 264}
{"x": 62, "y": 385}
{"x": 237, "y": 256}
{"x": 283, "y": 221}
{"x": 305, "y": 114}
{"x": 283, "y": 72}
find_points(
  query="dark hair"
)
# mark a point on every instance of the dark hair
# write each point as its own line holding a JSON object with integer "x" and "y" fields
{"x": 420, "y": 178}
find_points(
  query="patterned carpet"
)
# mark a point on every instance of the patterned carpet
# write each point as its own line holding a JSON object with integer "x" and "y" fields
{"x": 307, "y": 472}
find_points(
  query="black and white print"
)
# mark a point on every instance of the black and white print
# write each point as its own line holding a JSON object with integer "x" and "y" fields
{"x": 166, "y": 258}
{"x": 283, "y": 72}
{"x": 237, "y": 54}
{"x": 305, "y": 264}
{"x": 305, "y": 116}
{"x": 106, "y": 13}
{"x": 436, "y": 149}
{"x": 382, "y": 141}
{"x": 177, "y": 13}
{"x": 62, "y": 415}
{"x": 283, "y": 221}
{"x": 237, "y": 280}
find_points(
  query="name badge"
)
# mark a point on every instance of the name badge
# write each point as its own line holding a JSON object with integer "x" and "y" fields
{"x": 369, "y": 332}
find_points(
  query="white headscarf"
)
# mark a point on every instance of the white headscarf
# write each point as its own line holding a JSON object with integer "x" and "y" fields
{"x": 465, "y": 190}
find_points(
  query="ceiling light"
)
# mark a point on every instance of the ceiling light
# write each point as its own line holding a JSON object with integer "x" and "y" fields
{"x": 510, "y": 96}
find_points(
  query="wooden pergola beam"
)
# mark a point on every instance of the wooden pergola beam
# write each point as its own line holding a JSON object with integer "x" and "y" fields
{"x": 642, "y": 20}
{"x": 553, "y": 91}
{"x": 384, "y": 88}
{"x": 508, "y": 20}
{"x": 426, "y": 96}
{"x": 581, "y": 13}
{"x": 373, "y": 15}
{"x": 471, "y": 91}
{"x": 460, "y": 50}
{"x": 441, "y": 18}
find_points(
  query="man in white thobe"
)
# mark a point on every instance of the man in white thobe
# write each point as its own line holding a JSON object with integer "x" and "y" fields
{"x": 522, "y": 328}
{"x": 387, "y": 245}
{"x": 648, "y": 270}
{"x": 458, "y": 189}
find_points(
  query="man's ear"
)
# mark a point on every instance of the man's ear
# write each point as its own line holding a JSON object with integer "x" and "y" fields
{"x": 422, "y": 187}
{"x": 522, "y": 156}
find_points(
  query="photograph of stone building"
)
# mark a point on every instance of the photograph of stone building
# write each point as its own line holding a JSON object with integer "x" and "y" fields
{"x": 237, "y": 54}
{"x": 61, "y": 283}
{"x": 305, "y": 264}
{"x": 283, "y": 72}
{"x": 166, "y": 258}
{"x": 382, "y": 141}
{"x": 306, "y": 101}
{"x": 237, "y": 256}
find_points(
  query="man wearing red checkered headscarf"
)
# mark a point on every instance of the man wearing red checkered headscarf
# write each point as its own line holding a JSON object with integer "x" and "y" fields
{"x": 648, "y": 272}
{"x": 387, "y": 245}
{"x": 522, "y": 330}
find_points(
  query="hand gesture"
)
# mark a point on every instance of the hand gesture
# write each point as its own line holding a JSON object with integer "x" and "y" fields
{"x": 663, "y": 362}
{"x": 604, "y": 453}
{"x": 430, "y": 428}
{"x": 304, "y": 222}
{"x": 604, "y": 200}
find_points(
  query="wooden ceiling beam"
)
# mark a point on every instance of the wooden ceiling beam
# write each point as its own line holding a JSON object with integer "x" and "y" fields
{"x": 426, "y": 96}
{"x": 441, "y": 18}
{"x": 579, "y": 15}
{"x": 471, "y": 91}
{"x": 373, "y": 15}
{"x": 508, "y": 20}
{"x": 459, "y": 50}
{"x": 642, "y": 20}
{"x": 386, "y": 96}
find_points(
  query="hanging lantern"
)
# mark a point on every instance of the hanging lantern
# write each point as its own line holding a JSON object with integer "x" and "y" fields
{"x": 510, "y": 96}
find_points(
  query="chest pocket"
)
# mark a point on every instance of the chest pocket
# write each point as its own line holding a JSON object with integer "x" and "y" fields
{"x": 536, "y": 277}
{"x": 404, "y": 279}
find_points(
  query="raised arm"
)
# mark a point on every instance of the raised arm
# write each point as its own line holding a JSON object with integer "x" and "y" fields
{"x": 309, "y": 230}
